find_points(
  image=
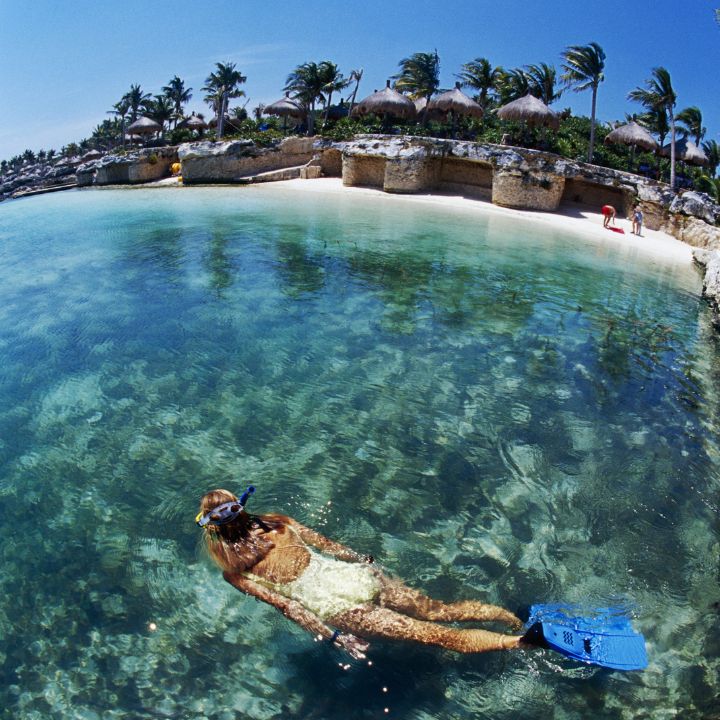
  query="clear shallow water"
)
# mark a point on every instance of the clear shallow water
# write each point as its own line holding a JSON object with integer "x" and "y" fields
{"x": 490, "y": 409}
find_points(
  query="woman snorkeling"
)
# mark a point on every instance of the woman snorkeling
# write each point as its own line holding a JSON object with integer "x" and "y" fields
{"x": 331, "y": 590}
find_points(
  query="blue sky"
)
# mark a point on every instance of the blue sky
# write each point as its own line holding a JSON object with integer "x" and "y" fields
{"x": 63, "y": 63}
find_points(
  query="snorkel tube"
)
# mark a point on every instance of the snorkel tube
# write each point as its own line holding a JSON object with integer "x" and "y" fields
{"x": 226, "y": 512}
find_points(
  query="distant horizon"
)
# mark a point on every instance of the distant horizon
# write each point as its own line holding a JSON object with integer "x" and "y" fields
{"x": 65, "y": 65}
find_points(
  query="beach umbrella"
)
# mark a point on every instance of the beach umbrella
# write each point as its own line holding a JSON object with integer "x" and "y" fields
{"x": 432, "y": 113}
{"x": 632, "y": 134}
{"x": 531, "y": 111}
{"x": 457, "y": 103}
{"x": 686, "y": 151}
{"x": 387, "y": 102}
{"x": 194, "y": 123}
{"x": 285, "y": 107}
{"x": 144, "y": 126}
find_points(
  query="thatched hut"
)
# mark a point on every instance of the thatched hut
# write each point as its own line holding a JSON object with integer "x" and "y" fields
{"x": 531, "y": 111}
{"x": 633, "y": 135}
{"x": 386, "y": 102}
{"x": 194, "y": 123}
{"x": 456, "y": 102}
{"x": 285, "y": 108}
{"x": 431, "y": 113}
{"x": 144, "y": 126}
{"x": 687, "y": 151}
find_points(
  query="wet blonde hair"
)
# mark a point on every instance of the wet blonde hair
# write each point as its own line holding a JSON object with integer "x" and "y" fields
{"x": 231, "y": 546}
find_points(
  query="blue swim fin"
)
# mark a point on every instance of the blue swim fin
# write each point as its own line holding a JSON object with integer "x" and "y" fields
{"x": 606, "y": 638}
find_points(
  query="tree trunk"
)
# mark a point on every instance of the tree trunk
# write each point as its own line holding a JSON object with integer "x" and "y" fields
{"x": 354, "y": 95}
{"x": 221, "y": 115}
{"x": 311, "y": 119}
{"x": 672, "y": 150}
{"x": 327, "y": 109}
{"x": 591, "y": 149}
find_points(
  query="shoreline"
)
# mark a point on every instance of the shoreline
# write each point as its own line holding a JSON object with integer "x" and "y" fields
{"x": 576, "y": 220}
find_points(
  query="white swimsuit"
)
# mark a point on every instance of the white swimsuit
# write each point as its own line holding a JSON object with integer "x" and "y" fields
{"x": 327, "y": 586}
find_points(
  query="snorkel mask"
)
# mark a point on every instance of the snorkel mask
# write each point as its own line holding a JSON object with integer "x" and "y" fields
{"x": 226, "y": 512}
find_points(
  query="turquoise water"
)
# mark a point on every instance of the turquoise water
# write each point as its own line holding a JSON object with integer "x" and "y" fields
{"x": 492, "y": 409}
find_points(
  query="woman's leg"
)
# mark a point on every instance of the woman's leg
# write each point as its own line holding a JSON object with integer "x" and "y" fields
{"x": 396, "y": 596}
{"x": 371, "y": 621}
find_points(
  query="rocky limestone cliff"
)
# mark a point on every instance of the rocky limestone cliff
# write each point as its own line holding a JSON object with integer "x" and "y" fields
{"x": 227, "y": 162}
{"x": 133, "y": 168}
{"x": 524, "y": 179}
{"x": 709, "y": 260}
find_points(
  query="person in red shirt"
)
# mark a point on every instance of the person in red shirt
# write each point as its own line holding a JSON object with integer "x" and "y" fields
{"x": 609, "y": 212}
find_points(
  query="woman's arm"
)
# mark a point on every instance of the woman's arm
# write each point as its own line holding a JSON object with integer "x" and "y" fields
{"x": 329, "y": 546}
{"x": 296, "y": 612}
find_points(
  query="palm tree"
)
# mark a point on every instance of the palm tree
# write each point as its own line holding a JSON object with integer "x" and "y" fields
{"x": 355, "y": 76}
{"x": 121, "y": 109}
{"x": 161, "y": 110}
{"x": 541, "y": 79}
{"x": 512, "y": 84}
{"x": 480, "y": 75}
{"x": 179, "y": 94}
{"x": 658, "y": 94}
{"x": 692, "y": 120}
{"x": 419, "y": 76}
{"x": 712, "y": 150}
{"x": 334, "y": 82}
{"x": 137, "y": 100}
{"x": 220, "y": 86}
{"x": 307, "y": 83}
{"x": 584, "y": 67}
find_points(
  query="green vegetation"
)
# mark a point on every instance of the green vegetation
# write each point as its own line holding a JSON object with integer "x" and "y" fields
{"x": 314, "y": 85}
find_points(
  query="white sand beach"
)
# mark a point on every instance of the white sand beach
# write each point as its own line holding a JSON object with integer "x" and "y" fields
{"x": 582, "y": 221}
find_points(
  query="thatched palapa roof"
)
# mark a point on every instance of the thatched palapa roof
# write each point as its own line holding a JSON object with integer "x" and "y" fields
{"x": 432, "y": 113}
{"x": 285, "y": 107}
{"x": 632, "y": 134}
{"x": 194, "y": 123}
{"x": 686, "y": 151}
{"x": 386, "y": 102}
{"x": 456, "y": 101}
{"x": 144, "y": 126}
{"x": 530, "y": 110}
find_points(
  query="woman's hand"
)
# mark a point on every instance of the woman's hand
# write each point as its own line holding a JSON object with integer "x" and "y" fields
{"x": 354, "y": 645}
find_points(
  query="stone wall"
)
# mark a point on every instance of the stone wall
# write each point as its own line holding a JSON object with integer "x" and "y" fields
{"x": 524, "y": 179}
{"x": 410, "y": 175}
{"x": 331, "y": 162}
{"x": 227, "y": 162}
{"x": 709, "y": 260}
{"x": 136, "y": 167}
{"x": 579, "y": 191}
{"x": 363, "y": 171}
{"x": 525, "y": 190}
{"x": 468, "y": 178}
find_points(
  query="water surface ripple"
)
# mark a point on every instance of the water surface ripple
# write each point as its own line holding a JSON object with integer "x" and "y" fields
{"x": 490, "y": 408}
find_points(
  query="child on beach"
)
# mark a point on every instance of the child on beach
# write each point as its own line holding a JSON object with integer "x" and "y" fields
{"x": 637, "y": 221}
{"x": 332, "y": 591}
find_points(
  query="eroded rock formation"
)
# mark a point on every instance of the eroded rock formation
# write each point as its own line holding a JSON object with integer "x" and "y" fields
{"x": 233, "y": 161}
{"x": 524, "y": 179}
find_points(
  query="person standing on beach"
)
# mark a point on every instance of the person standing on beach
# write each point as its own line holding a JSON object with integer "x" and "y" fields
{"x": 609, "y": 212}
{"x": 637, "y": 221}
